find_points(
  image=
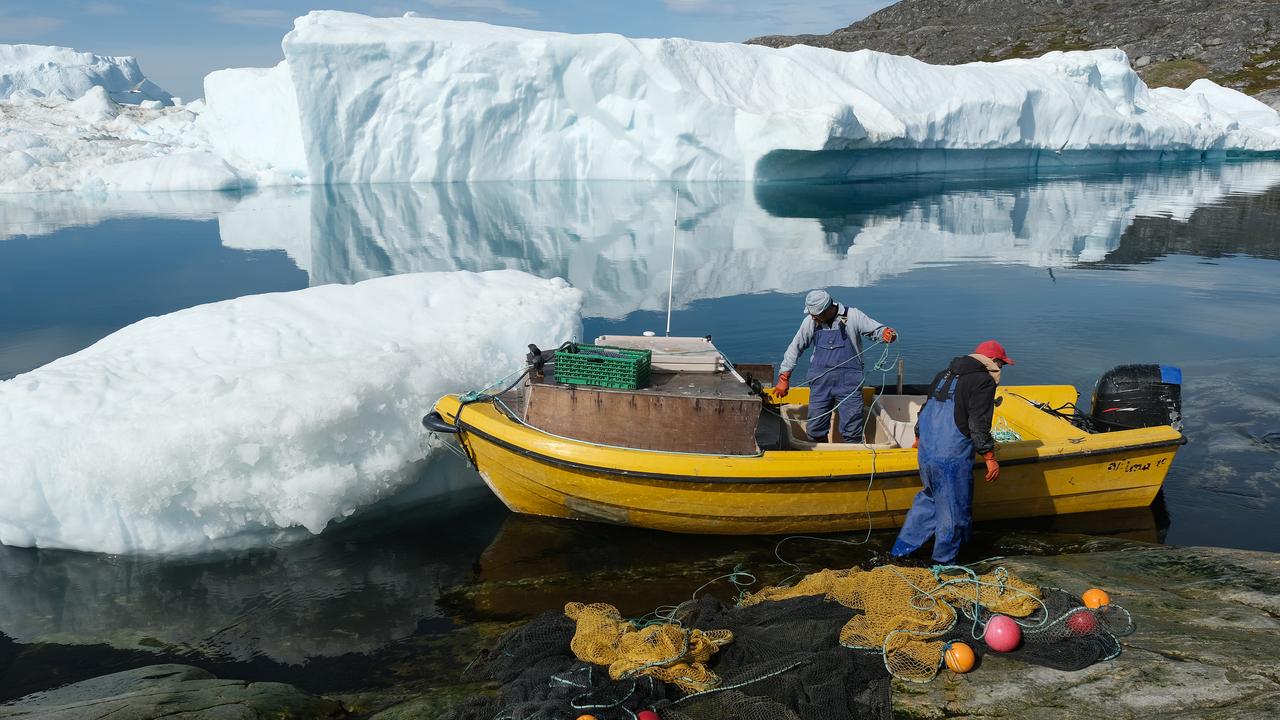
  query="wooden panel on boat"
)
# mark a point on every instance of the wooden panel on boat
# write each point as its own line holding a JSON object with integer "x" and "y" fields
{"x": 682, "y": 412}
{"x": 762, "y": 372}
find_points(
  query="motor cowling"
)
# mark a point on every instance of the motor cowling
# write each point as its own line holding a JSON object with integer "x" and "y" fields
{"x": 1138, "y": 396}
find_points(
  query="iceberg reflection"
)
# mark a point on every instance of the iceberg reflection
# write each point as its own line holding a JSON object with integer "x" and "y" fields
{"x": 613, "y": 239}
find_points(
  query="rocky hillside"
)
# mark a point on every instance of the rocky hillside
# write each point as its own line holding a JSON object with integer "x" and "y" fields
{"x": 1172, "y": 42}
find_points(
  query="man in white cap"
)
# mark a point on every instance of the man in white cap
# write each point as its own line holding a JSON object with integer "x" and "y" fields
{"x": 835, "y": 372}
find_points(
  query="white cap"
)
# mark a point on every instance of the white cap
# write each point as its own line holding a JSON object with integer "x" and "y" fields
{"x": 817, "y": 301}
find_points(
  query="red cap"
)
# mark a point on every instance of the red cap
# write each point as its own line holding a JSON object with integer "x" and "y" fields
{"x": 993, "y": 350}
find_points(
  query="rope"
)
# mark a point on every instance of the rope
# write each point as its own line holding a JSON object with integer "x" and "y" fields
{"x": 666, "y": 614}
{"x": 880, "y": 365}
{"x": 884, "y": 365}
{"x": 1002, "y": 433}
{"x": 744, "y": 683}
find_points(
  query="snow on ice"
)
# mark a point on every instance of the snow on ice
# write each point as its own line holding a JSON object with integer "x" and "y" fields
{"x": 263, "y": 412}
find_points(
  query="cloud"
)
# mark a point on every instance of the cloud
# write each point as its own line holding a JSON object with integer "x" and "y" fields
{"x": 234, "y": 15}
{"x": 25, "y": 27}
{"x": 102, "y": 8}
{"x": 485, "y": 8}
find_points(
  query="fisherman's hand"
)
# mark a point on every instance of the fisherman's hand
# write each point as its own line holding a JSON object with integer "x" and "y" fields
{"x": 993, "y": 467}
{"x": 889, "y": 335}
{"x": 915, "y": 444}
{"x": 784, "y": 384}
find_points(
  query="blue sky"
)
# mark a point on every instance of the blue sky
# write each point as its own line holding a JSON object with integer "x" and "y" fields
{"x": 178, "y": 41}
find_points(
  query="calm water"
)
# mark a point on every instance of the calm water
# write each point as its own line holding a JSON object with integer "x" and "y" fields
{"x": 1073, "y": 274}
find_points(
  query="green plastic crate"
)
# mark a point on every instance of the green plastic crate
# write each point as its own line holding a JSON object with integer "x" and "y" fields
{"x": 604, "y": 366}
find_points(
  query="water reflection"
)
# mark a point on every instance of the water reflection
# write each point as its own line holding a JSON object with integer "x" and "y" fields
{"x": 352, "y": 591}
{"x": 323, "y": 612}
{"x": 339, "y": 603}
{"x": 613, "y": 239}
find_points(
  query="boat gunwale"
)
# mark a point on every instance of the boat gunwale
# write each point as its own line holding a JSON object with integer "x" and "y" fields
{"x": 780, "y": 480}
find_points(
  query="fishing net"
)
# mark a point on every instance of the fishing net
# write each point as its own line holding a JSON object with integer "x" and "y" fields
{"x": 821, "y": 649}
{"x": 784, "y": 663}
{"x": 906, "y": 611}
{"x": 1061, "y": 634}
{"x": 665, "y": 651}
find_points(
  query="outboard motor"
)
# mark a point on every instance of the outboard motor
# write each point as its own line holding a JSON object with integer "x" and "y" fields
{"x": 1138, "y": 396}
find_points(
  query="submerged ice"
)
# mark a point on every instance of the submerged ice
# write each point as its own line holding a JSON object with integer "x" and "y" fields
{"x": 263, "y": 412}
{"x": 381, "y": 100}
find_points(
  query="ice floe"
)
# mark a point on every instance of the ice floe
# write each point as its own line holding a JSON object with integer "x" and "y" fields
{"x": 263, "y": 412}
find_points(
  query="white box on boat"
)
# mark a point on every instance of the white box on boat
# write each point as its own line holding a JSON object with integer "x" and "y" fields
{"x": 672, "y": 354}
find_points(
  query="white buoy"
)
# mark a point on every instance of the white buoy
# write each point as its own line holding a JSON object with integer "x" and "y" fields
{"x": 649, "y": 333}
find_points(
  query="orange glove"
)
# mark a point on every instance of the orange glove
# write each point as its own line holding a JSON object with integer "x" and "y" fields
{"x": 784, "y": 384}
{"x": 993, "y": 467}
{"x": 889, "y": 335}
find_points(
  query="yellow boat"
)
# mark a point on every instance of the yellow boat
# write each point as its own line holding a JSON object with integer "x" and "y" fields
{"x": 1055, "y": 468}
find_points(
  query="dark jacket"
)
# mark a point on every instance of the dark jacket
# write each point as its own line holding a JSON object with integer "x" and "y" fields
{"x": 975, "y": 400}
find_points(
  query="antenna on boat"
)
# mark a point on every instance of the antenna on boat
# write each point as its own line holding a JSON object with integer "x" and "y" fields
{"x": 671, "y": 279}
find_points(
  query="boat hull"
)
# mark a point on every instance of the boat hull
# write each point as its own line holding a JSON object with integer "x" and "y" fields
{"x": 796, "y": 491}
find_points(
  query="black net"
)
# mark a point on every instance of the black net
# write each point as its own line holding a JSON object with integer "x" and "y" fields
{"x": 785, "y": 663}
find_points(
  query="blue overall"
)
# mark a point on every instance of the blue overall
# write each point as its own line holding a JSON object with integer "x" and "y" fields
{"x": 943, "y": 509}
{"x": 835, "y": 374}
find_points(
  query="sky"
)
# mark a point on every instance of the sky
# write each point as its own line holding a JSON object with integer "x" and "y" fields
{"x": 178, "y": 42}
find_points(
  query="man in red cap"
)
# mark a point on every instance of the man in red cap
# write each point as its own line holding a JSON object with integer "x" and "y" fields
{"x": 954, "y": 423}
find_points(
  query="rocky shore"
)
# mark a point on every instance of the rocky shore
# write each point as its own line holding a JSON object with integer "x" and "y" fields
{"x": 1208, "y": 623}
{"x": 1235, "y": 43}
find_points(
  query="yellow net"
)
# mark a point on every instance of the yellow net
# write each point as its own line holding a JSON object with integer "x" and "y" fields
{"x": 904, "y": 614}
{"x": 907, "y": 610}
{"x": 665, "y": 651}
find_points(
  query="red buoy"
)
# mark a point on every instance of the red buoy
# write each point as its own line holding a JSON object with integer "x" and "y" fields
{"x": 1082, "y": 622}
{"x": 1002, "y": 634}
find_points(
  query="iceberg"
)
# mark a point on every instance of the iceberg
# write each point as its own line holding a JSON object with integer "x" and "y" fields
{"x": 43, "y": 71}
{"x": 413, "y": 99}
{"x": 362, "y": 100}
{"x": 252, "y": 119}
{"x": 181, "y": 432}
{"x": 95, "y": 144}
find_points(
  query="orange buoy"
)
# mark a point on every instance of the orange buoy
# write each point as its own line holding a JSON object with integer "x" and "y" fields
{"x": 1095, "y": 598}
{"x": 586, "y": 717}
{"x": 959, "y": 657}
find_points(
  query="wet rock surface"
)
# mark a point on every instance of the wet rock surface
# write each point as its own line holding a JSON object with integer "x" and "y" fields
{"x": 1207, "y": 619}
{"x": 1208, "y": 624}
{"x": 177, "y": 692}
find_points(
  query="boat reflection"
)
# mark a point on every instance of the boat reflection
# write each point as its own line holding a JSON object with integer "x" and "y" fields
{"x": 538, "y": 564}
